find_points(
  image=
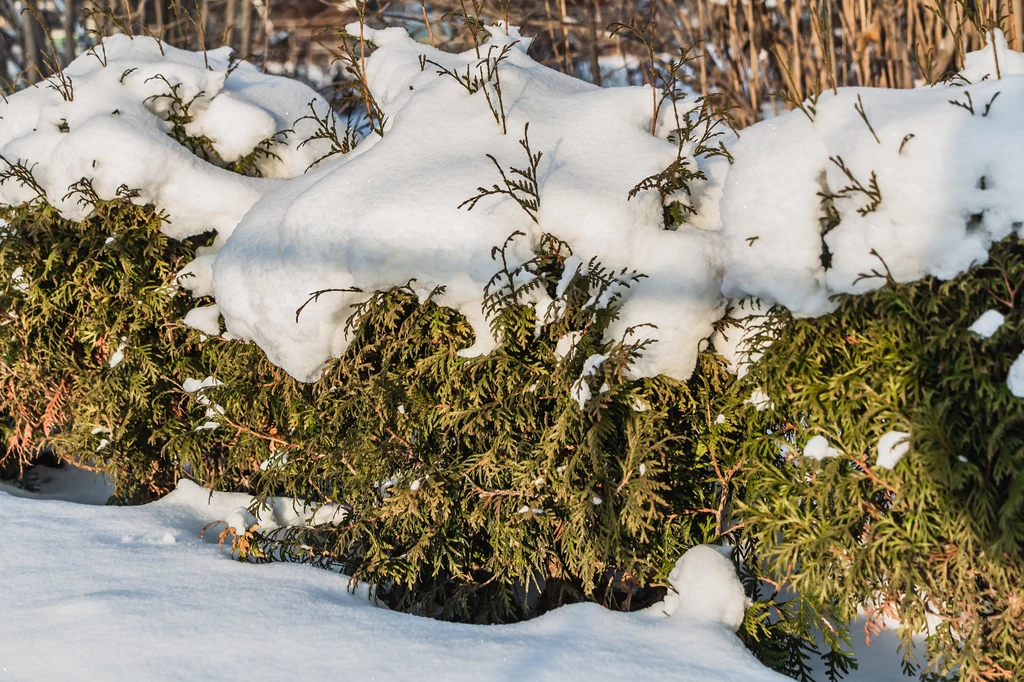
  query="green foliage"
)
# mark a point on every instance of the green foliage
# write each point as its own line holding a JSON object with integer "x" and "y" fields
{"x": 479, "y": 489}
{"x": 77, "y": 296}
{"x": 940, "y": 535}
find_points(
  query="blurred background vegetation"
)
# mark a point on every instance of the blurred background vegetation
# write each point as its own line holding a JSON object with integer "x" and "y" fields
{"x": 755, "y": 56}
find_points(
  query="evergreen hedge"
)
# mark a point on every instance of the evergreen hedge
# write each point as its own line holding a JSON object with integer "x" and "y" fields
{"x": 94, "y": 355}
{"x": 486, "y": 490}
{"x": 475, "y": 489}
{"x": 479, "y": 489}
{"x": 935, "y": 542}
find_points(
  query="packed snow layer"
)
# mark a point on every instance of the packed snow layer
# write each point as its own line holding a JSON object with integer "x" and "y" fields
{"x": 947, "y": 185}
{"x": 132, "y": 593}
{"x": 389, "y": 211}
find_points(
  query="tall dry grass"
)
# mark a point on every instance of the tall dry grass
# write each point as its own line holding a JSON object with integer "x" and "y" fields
{"x": 756, "y": 57}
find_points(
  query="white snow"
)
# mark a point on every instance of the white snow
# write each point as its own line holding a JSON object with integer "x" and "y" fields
{"x": 948, "y": 186}
{"x": 193, "y": 385}
{"x": 760, "y": 400}
{"x": 706, "y": 589}
{"x": 1015, "y": 378}
{"x": 892, "y": 446}
{"x": 19, "y": 280}
{"x": 117, "y": 357}
{"x": 109, "y": 127}
{"x": 580, "y": 389}
{"x": 949, "y": 189}
{"x": 988, "y": 324}
{"x": 819, "y": 448}
{"x": 140, "y": 577}
{"x": 67, "y": 483}
{"x": 566, "y": 344}
{"x": 198, "y": 387}
{"x": 383, "y": 213}
{"x": 204, "y": 318}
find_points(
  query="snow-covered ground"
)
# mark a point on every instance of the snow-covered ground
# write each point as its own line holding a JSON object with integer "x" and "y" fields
{"x": 94, "y": 593}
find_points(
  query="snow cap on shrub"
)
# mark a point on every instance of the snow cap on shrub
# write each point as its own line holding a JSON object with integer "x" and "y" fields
{"x": 922, "y": 182}
{"x": 390, "y": 210}
{"x": 106, "y": 120}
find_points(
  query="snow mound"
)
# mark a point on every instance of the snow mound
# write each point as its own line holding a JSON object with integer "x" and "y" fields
{"x": 922, "y": 182}
{"x": 706, "y": 589}
{"x": 107, "y": 122}
{"x": 390, "y": 210}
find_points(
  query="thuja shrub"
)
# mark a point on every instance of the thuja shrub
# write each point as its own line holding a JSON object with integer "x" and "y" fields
{"x": 937, "y": 541}
{"x": 93, "y": 351}
{"x": 491, "y": 489}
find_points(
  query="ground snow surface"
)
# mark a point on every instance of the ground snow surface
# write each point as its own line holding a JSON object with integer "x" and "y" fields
{"x": 132, "y": 593}
{"x": 111, "y": 594}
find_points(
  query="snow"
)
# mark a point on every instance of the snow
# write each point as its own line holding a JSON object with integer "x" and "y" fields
{"x": 67, "y": 483}
{"x": 732, "y": 342}
{"x": 205, "y": 318}
{"x": 565, "y": 344}
{"x": 19, "y": 280}
{"x": 109, "y": 127}
{"x": 198, "y": 387}
{"x": 380, "y": 215}
{"x": 988, "y": 324}
{"x": 1015, "y": 379}
{"x": 922, "y": 182}
{"x": 580, "y": 390}
{"x": 949, "y": 189}
{"x": 117, "y": 357}
{"x": 819, "y": 448}
{"x": 706, "y": 589}
{"x": 892, "y": 446}
{"x": 175, "y": 607}
{"x": 193, "y": 385}
{"x": 760, "y": 400}
{"x": 376, "y": 217}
